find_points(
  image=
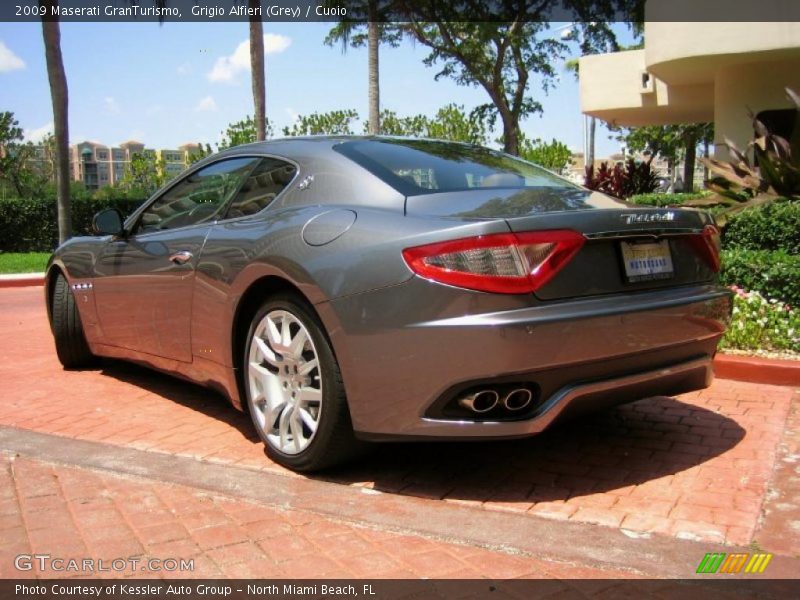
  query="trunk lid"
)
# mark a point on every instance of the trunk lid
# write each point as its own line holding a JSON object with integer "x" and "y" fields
{"x": 616, "y": 234}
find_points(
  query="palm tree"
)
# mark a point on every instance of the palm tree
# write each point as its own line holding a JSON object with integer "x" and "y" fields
{"x": 373, "y": 40}
{"x": 351, "y": 33}
{"x": 257, "y": 71}
{"x": 51, "y": 33}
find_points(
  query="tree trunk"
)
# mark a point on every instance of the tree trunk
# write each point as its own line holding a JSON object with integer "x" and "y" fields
{"x": 51, "y": 33}
{"x": 373, "y": 40}
{"x": 590, "y": 145}
{"x": 510, "y": 130}
{"x": 257, "y": 72}
{"x": 511, "y": 138}
{"x": 688, "y": 163}
{"x": 705, "y": 165}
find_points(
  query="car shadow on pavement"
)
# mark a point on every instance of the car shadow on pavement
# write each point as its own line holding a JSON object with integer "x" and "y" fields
{"x": 201, "y": 399}
{"x": 613, "y": 449}
{"x": 617, "y": 448}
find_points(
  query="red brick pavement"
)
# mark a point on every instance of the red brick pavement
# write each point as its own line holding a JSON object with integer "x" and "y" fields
{"x": 72, "y": 513}
{"x": 694, "y": 467}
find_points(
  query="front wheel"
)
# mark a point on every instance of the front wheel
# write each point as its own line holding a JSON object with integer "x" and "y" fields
{"x": 65, "y": 320}
{"x": 294, "y": 388}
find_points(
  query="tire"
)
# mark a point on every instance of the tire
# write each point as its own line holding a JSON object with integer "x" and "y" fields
{"x": 293, "y": 388}
{"x": 71, "y": 347}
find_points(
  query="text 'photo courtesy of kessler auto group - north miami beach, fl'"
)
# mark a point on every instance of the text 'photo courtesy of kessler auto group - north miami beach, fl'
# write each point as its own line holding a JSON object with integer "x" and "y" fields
{"x": 399, "y": 298}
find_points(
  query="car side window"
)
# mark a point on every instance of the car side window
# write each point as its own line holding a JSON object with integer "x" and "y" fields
{"x": 264, "y": 183}
{"x": 199, "y": 198}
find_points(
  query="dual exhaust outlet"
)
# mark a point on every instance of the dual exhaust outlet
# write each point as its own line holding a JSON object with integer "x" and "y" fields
{"x": 482, "y": 401}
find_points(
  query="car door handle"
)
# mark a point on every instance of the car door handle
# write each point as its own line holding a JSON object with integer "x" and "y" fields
{"x": 182, "y": 257}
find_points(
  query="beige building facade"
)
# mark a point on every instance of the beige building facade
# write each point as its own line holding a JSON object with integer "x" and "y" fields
{"x": 699, "y": 71}
{"x": 98, "y": 166}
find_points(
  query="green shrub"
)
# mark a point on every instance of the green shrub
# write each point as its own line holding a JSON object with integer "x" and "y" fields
{"x": 775, "y": 226}
{"x": 661, "y": 199}
{"x": 773, "y": 273}
{"x": 30, "y": 224}
{"x": 761, "y": 324}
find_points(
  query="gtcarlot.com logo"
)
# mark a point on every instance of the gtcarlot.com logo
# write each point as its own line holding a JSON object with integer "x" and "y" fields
{"x": 720, "y": 562}
{"x": 46, "y": 562}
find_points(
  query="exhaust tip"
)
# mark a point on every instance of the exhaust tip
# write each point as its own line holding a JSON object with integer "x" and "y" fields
{"x": 481, "y": 401}
{"x": 517, "y": 399}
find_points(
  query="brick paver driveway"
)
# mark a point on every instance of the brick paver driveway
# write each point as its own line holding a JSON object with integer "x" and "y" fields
{"x": 695, "y": 467}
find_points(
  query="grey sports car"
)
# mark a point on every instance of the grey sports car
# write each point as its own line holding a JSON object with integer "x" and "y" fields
{"x": 343, "y": 289}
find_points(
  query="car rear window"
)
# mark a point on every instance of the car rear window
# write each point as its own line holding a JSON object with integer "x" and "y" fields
{"x": 415, "y": 167}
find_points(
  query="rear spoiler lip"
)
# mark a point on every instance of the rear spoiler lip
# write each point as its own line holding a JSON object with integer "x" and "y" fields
{"x": 654, "y": 233}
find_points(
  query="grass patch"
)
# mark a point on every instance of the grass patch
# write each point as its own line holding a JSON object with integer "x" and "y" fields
{"x": 23, "y": 262}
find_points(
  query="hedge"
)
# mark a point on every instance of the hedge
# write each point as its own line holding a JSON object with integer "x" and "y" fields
{"x": 775, "y": 226}
{"x": 773, "y": 273}
{"x": 662, "y": 199}
{"x": 31, "y": 225}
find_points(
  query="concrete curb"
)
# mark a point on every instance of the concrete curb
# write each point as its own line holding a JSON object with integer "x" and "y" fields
{"x": 757, "y": 370}
{"x": 21, "y": 280}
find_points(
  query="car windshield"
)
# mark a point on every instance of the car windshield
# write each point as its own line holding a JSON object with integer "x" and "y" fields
{"x": 415, "y": 167}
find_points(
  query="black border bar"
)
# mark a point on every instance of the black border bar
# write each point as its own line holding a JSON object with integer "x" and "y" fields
{"x": 397, "y": 11}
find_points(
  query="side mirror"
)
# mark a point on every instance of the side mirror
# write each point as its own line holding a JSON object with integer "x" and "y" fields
{"x": 108, "y": 222}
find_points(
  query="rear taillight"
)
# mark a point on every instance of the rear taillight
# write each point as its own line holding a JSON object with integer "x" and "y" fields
{"x": 708, "y": 245}
{"x": 506, "y": 263}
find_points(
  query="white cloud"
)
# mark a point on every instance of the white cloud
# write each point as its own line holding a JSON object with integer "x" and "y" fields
{"x": 227, "y": 68}
{"x": 112, "y": 106}
{"x": 38, "y": 134}
{"x": 275, "y": 43}
{"x": 206, "y": 104}
{"x": 10, "y": 61}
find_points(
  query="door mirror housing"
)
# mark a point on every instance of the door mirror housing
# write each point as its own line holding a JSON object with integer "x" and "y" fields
{"x": 108, "y": 222}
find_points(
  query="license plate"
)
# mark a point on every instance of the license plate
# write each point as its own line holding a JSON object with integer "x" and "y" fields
{"x": 647, "y": 260}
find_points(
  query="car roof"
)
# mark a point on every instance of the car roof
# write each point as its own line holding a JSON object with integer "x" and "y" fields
{"x": 310, "y": 143}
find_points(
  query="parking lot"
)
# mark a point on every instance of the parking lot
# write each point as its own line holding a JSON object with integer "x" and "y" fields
{"x": 670, "y": 474}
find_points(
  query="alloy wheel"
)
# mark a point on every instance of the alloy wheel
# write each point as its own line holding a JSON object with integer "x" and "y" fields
{"x": 285, "y": 382}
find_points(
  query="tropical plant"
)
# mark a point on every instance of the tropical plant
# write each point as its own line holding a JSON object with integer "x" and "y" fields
{"x": 622, "y": 182}
{"x": 773, "y": 172}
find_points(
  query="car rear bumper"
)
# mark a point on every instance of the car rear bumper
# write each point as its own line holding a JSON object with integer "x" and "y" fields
{"x": 407, "y": 351}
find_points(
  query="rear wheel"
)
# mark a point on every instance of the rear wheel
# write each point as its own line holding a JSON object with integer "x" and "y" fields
{"x": 71, "y": 347}
{"x": 294, "y": 388}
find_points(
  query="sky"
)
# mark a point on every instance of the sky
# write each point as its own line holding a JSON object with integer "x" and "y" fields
{"x": 166, "y": 85}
